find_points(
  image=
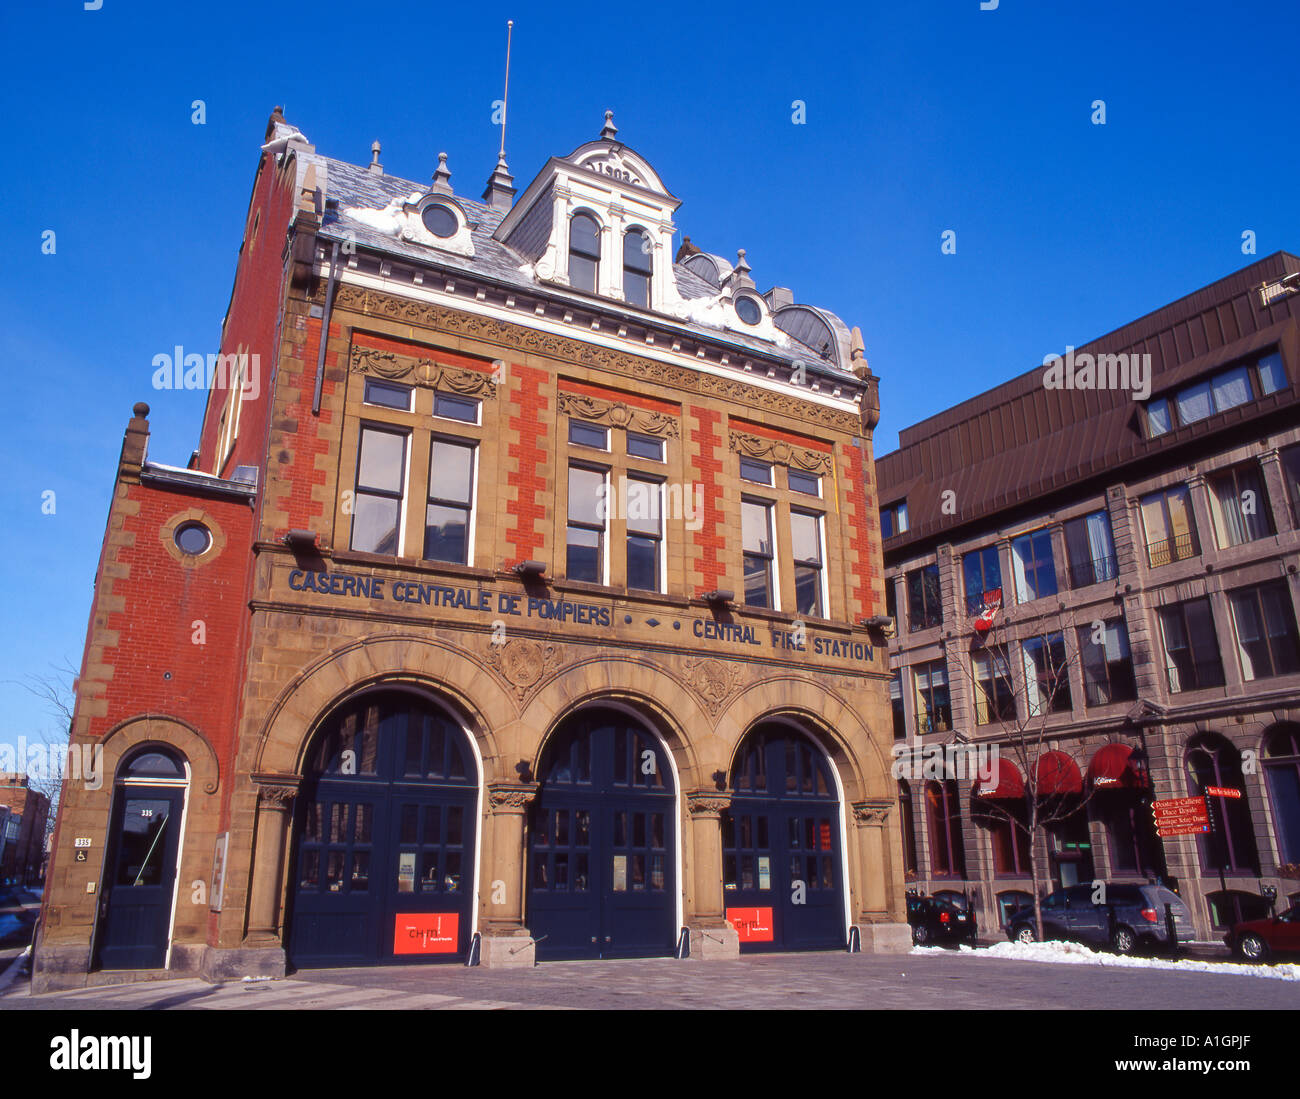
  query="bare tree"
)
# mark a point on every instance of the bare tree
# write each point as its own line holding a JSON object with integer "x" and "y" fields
{"x": 57, "y": 691}
{"x": 1026, "y": 728}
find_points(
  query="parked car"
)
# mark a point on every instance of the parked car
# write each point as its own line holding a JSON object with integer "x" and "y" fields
{"x": 1259, "y": 940}
{"x": 934, "y": 919}
{"x": 1131, "y": 917}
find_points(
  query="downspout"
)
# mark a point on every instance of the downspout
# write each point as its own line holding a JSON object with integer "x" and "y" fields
{"x": 325, "y": 329}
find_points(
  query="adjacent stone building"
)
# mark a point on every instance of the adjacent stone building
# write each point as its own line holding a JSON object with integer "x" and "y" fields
{"x": 1097, "y": 560}
{"x": 522, "y": 599}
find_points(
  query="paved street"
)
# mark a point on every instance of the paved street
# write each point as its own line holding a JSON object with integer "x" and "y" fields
{"x": 770, "y": 982}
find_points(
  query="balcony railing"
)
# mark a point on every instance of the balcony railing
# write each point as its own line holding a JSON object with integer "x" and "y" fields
{"x": 1195, "y": 675}
{"x": 1121, "y": 688}
{"x": 1167, "y": 550}
{"x": 1095, "y": 571}
{"x": 940, "y": 721}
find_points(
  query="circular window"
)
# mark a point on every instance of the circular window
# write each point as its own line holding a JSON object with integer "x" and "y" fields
{"x": 193, "y": 538}
{"x": 440, "y": 221}
{"x": 747, "y": 310}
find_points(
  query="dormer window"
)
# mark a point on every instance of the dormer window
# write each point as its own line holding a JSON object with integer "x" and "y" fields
{"x": 637, "y": 268}
{"x": 584, "y": 252}
{"x": 748, "y": 311}
{"x": 440, "y": 221}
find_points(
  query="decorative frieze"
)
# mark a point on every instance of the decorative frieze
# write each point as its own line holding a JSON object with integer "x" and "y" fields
{"x": 510, "y": 795}
{"x": 874, "y": 811}
{"x": 780, "y": 452}
{"x": 715, "y": 681}
{"x": 617, "y": 414}
{"x": 707, "y": 803}
{"x": 395, "y": 367}
{"x": 490, "y": 329}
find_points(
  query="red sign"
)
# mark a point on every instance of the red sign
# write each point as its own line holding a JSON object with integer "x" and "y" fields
{"x": 1181, "y": 816}
{"x": 753, "y": 924}
{"x": 1222, "y": 792}
{"x": 992, "y": 604}
{"x": 426, "y": 933}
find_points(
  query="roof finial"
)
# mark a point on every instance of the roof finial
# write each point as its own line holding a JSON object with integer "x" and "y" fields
{"x": 442, "y": 175}
{"x": 741, "y": 266}
{"x": 609, "y": 131}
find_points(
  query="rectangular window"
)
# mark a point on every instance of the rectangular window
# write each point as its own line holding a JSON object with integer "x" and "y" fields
{"x": 982, "y": 573}
{"x": 804, "y": 482}
{"x": 1033, "y": 565}
{"x": 1291, "y": 476}
{"x": 1271, "y": 375}
{"x": 1191, "y": 646}
{"x": 1107, "y": 666}
{"x": 381, "y": 475}
{"x": 933, "y": 707}
{"x": 806, "y": 544}
{"x": 1047, "y": 674}
{"x": 388, "y": 394}
{"x": 896, "y": 704}
{"x": 1239, "y": 505}
{"x": 644, "y": 446}
{"x": 994, "y": 698}
{"x": 451, "y": 502}
{"x": 588, "y": 435}
{"x": 1090, "y": 550}
{"x": 893, "y": 520}
{"x": 924, "y": 605}
{"x": 756, "y": 532}
{"x": 758, "y": 472}
{"x": 464, "y": 409}
{"x": 1158, "y": 421}
{"x": 586, "y": 532}
{"x": 642, "y": 499}
{"x": 1266, "y": 631}
{"x": 1170, "y": 528}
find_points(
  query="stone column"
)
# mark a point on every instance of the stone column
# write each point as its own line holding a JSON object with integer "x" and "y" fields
{"x": 880, "y": 913}
{"x": 275, "y": 794}
{"x": 506, "y": 941}
{"x": 711, "y": 935}
{"x": 610, "y": 280}
{"x": 1275, "y": 486}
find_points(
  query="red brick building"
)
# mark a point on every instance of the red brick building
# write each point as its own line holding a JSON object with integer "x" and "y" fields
{"x": 22, "y": 859}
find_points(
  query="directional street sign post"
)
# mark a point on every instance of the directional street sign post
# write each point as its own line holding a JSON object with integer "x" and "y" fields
{"x": 1181, "y": 817}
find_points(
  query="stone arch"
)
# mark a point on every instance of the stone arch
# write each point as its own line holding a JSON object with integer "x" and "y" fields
{"x": 661, "y": 699}
{"x": 192, "y": 745}
{"x": 388, "y": 660}
{"x": 832, "y": 721}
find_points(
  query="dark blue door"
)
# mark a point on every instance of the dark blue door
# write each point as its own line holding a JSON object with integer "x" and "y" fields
{"x": 140, "y": 877}
{"x": 602, "y": 843}
{"x": 384, "y": 830}
{"x": 782, "y": 864}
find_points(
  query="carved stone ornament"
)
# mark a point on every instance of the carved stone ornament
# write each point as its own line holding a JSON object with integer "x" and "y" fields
{"x": 618, "y": 414}
{"x": 872, "y": 812}
{"x": 707, "y": 804}
{"x": 276, "y": 796}
{"x": 509, "y": 795}
{"x": 395, "y": 367}
{"x": 780, "y": 452}
{"x": 575, "y": 352}
{"x": 523, "y": 662}
{"x": 715, "y": 681}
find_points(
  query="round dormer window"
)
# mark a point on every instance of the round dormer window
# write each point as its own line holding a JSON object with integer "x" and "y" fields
{"x": 440, "y": 221}
{"x": 193, "y": 539}
{"x": 748, "y": 311}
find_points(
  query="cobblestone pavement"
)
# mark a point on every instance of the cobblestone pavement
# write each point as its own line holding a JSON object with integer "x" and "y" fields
{"x": 764, "y": 982}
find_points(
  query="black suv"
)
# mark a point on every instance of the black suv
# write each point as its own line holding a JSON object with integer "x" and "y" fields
{"x": 934, "y": 919}
{"x": 1129, "y": 917}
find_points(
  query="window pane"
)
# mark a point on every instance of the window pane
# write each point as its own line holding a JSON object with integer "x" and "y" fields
{"x": 1158, "y": 422}
{"x": 637, "y": 252}
{"x": 588, "y": 435}
{"x": 451, "y": 472}
{"x": 587, "y": 496}
{"x": 1194, "y": 403}
{"x": 584, "y": 236}
{"x": 755, "y": 528}
{"x": 584, "y": 557}
{"x": 641, "y": 504}
{"x": 805, "y": 482}
{"x": 374, "y": 524}
{"x": 446, "y": 534}
{"x": 464, "y": 409}
{"x": 805, "y": 537}
{"x": 636, "y": 289}
{"x": 1271, "y": 375}
{"x": 643, "y": 563}
{"x": 382, "y": 458}
{"x": 1231, "y": 388}
{"x": 807, "y": 590}
{"x": 759, "y": 472}
{"x": 645, "y": 446}
{"x": 758, "y": 583}
{"x": 388, "y": 395}
{"x": 582, "y": 273}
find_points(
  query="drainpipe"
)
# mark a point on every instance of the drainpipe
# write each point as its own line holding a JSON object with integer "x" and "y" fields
{"x": 325, "y": 329}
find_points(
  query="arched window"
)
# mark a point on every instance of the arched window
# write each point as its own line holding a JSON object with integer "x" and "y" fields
{"x": 947, "y": 855}
{"x": 1282, "y": 774}
{"x": 584, "y": 252}
{"x": 1006, "y": 820}
{"x": 908, "y": 824}
{"x": 637, "y": 268}
{"x": 1214, "y": 761}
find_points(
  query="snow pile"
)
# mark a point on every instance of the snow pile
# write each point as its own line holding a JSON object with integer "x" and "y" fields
{"x": 387, "y": 221}
{"x": 712, "y": 313}
{"x": 1078, "y": 954}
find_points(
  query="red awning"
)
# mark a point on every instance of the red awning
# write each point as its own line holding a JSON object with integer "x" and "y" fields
{"x": 1111, "y": 768}
{"x": 1005, "y": 782}
{"x": 1058, "y": 774}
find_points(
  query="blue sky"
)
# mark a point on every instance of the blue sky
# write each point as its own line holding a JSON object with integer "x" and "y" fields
{"x": 919, "y": 118}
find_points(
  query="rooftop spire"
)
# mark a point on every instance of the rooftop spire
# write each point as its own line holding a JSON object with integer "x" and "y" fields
{"x": 374, "y": 165}
{"x": 609, "y": 131}
{"x": 442, "y": 175}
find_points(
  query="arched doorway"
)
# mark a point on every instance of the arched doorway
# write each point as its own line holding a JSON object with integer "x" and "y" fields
{"x": 782, "y": 861}
{"x": 1214, "y": 762}
{"x": 602, "y": 842}
{"x": 384, "y": 837}
{"x": 138, "y": 893}
{"x": 1282, "y": 778}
